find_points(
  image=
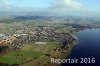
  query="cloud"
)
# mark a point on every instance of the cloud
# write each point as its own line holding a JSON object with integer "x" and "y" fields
{"x": 66, "y": 4}
{"x": 5, "y": 3}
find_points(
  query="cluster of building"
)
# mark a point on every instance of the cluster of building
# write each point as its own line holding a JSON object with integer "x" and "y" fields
{"x": 42, "y": 33}
{"x": 49, "y": 33}
{"x": 14, "y": 42}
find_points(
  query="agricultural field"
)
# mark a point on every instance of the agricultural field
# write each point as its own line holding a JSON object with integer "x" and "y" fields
{"x": 28, "y": 52}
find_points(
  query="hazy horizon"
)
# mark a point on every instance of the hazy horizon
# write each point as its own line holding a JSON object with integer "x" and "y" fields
{"x": 53, "y": 7}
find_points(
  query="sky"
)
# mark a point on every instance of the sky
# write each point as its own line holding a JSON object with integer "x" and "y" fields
{"x": 53, "y": 7}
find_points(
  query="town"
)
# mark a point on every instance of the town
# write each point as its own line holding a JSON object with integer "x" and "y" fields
{"x": 28, "y": 42}
{"x": 39, "y": 37}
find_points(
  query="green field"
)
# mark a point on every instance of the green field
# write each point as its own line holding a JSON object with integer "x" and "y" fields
{"x": 10, "y": 57}
{"x": 28, "y": 51}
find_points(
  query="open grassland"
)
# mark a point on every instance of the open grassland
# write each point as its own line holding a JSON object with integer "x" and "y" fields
{"x": 10, "y": 57}
{"x": 28, "y": 51}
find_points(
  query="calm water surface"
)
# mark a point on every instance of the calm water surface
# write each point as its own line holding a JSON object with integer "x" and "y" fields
{"x": 88, "y": 45}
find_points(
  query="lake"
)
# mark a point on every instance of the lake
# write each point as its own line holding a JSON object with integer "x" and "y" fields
{"x": 88, "y": 45}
